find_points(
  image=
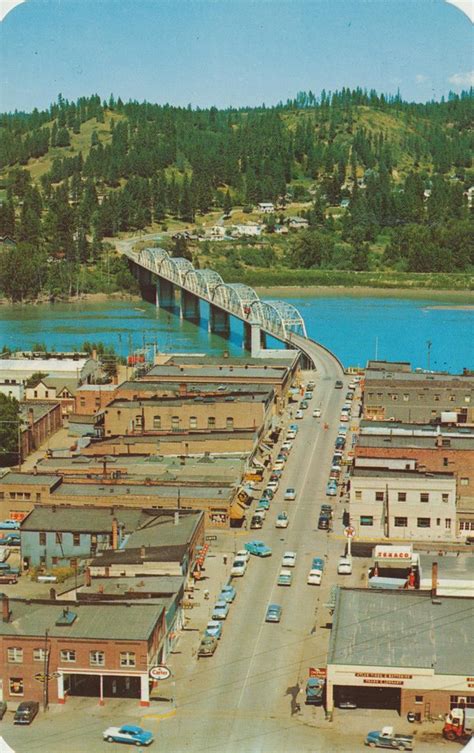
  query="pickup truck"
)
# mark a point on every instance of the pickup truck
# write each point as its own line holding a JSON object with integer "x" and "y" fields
{"x": 387, "y": 738}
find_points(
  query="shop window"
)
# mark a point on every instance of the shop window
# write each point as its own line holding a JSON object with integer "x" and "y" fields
{"x": 367, "y": 520}
{"x": 15, "y": 655}
{"x": 68, "y": 655}
{"x": 127, "y": 659}
{"x": 379, "y": 496}
{"x": 418, "y": 699}
{"x": 97, "y": 658}
{"x": 39, "y": 654}
{"x": 424, "y": 497}
{"x": 15, "y": 686}
{"x": 42, "y": 538}
{"x": 400, "y": 522}
{"x": 402, "y": 496}
{"x": 423, "y": 522}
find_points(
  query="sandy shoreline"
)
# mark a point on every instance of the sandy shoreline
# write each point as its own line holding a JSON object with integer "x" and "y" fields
{"x": 462, "y": 298}
{"x": 83, "y": 298}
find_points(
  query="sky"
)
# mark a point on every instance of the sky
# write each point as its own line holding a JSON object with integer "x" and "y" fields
{"x": 230, "y": 52}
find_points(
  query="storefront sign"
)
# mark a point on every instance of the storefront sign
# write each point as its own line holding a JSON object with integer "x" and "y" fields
{"x": 160, "y": 672}
{"x": 383, "y": 675}
{"x": 218, "y": 517}
{"x": 393, "y": 553}
{"x": 320, "y": 672}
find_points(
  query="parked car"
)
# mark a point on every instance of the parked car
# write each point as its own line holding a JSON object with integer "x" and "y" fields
{"x": 128, "y": 733}
{"x": 8, "y": 578}
{"x": 242, "y": 554}
{"x": 228, "y": 593}
{"x": 314, "y": 578}
{"x": 287, "y": 445}
{"x": 308, "y": 395}
{"x": 342, "y": 431}
{"x": 346, "y": 703}
{"x": 260, "y": 512}
{"x": 317, "y": 564}
{"x": 288, "y": 559}
{"x": 338, "y": 385}
{"x": 285, "y": 578}
{"x": 331, "y": 488}
{"x": 317, "y": 413}
{"x": 290, "y": 495}
{"x": 221, "y": 610}
{"x": 340, "y": 443}
{"x": 238, "y": 568}
{"x": 207, "y": 647}
{"x": 299, "y": 414}
{"x": 323, "y": 522}
{"x": 344, "y": 417}
{"x": 273, "y": 486}
{"x": 11, "y": 539}
{"x": 349, "y": 395}
{"x": 256, "y": 522}
{"x": 290, "y": 435}
{"x": 268, "y": 493}
{"x": 327, "y": 509}
{"x": 214, "y": 629}
{"x": 278, "y": 465}
{"x": 26, "y": 712}
{"x": 264, "y": 503}
{"x": 293, "y": 427}
{"x": 314, "y": 691}
{"x": 273, "y": 613}
{"x": 258, "y": 548}
{"x": 344, "y": 566}
{"x": 311, "y": 385}
{"x": 282, "y": 520}
{"x": 12, "y": 524}
{"x": 304, "y": 404}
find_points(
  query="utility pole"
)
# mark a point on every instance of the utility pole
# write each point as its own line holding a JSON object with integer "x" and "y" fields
{"x": 46, "y": 671}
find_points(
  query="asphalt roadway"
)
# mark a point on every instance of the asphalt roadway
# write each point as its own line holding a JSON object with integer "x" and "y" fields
{"x": 248, "y": 697}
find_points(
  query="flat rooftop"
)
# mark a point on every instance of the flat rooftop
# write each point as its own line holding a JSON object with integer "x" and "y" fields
{"x": 118, "y": 492}
{"x": 376, "y": 441}
{"x": 161, "y": 585}
{"x": 192, "y": 387}
{"x": 361, "y": 471}
{"x": 120, "y": 621}
{"x": 36, "y": 479}
{"x": 373, "y": 378}
{"x": 81, "y": 519}
{"x": 401, "y": 629}
{"x": 283, "y": 361}
{"x": 259, "y": 396}
{"x": 218, "y": 372}
{"x": 416, "y": 430}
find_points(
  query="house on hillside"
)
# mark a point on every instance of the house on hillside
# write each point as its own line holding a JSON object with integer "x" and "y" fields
{"x": 246, "y": 229}
{"x": 297, "y": 223}
{"x": 266, "y": 207}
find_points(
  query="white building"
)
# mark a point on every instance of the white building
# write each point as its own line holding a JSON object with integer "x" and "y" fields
{"x": 12, "y": 388}
{"x": 266, "y": 207}
{"x": 22, "y": 369}
{"x": 408, "y": 504}
{"x": 246, "y": 229}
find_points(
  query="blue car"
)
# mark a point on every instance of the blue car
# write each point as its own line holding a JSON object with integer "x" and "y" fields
{"x": 265, "y": 503}
{"x": 331, "y": 489}
{"x": 268, "y": 494}
{"x": 317, "y": 564}
{"x": 15, "y": 524}
{"x": 11, "y": 539}
{"x": 228, "y": 593}
{"x": 214, "y": 629}
{"x": 293, "y": 427}
{"x": 128, "y": 733}
{"x": 258, "y": 548}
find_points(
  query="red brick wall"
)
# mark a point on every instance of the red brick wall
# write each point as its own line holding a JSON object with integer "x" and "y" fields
{"x": 88, "y": 402}
{"x": 438, "y": 701}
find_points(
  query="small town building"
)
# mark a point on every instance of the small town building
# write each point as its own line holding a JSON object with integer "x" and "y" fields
{"x": 246, "y": 229}
{"x": 50, "y": 388}
{"x": 90, "y": 398}
{"x": 103, "y": 652}
{"x": 39, "y": 421}
{"x": 266, "y": 207}
{"x": 22, "y": 369}
{"x": 401, "y": 650}
{"x": 12, "y": 388}
{"x": 297, "y": 223}
{"x": 404, "y": 504}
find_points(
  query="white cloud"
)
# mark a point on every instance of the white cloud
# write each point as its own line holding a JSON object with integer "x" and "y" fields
{"x": 420, "y": 78}
{"x": 462, "y": 79}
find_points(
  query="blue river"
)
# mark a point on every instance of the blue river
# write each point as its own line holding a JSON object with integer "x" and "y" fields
{"x": 354, "y": 327}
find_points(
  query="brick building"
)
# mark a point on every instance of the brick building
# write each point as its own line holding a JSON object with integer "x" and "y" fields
{"x": 401, "y": 650}
{"x": 86, "y": 650}
{"x": 40, "y": 421}
{"x": 418, "y": 397}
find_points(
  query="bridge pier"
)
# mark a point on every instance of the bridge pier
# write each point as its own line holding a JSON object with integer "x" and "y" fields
{"x": 219, "y": 321}
{"x": 164, "y": 293}
{"x": 189, "y": 308}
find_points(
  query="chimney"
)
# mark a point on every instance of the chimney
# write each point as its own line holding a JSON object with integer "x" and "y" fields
{"x": 88, "y": 578}
{"x": 142, "y": 552}
{"x": 176, "y": 518}
{"x": 434, "y": 580}
{"x": 5, "y": 608}
{"x": 114, "y": 533}
{"x": 52, "y": 594}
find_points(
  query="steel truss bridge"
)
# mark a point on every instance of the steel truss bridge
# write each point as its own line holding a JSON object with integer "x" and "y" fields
{"x": 159, "y": 275}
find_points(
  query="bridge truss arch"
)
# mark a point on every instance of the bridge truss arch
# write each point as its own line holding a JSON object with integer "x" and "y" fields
{"x": 278, "y": 317}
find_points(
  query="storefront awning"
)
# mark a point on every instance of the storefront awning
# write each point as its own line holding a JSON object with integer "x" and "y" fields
{"x": 237, "y": 510}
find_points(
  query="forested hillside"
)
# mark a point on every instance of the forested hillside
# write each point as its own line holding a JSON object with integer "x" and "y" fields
{"x": 384, "y": 185}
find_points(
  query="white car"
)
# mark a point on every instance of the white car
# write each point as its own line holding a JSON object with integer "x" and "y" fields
{"x": 344, "y": 566}
{"x": 291, "y": 435}
{"x": 278, "y": 465}
{"x": 290, "y": 495}
{"x": 282, "y": 520}
{"x": 317, "y": 413}
{"x": 242, "y": 554}
{"x": 261, "y": 512}
{"x": 287, "y": 445}
{"x": 344, "y": 417}
{"x": 314, "y": 578}
{"x": 273, "y": 486}
{"x": 238, "y": 568}
{"x": 299, "y": 414}
{"x": 288, "y": 559}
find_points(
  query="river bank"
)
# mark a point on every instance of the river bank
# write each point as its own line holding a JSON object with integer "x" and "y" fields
{"x": 462, "y": 298}
{"x": 84, "y": 297}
